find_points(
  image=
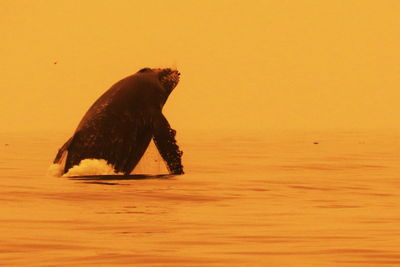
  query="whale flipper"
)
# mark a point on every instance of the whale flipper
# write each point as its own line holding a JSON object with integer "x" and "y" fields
{"x": 60, "y": 155}
{"x": 164, "y": 138}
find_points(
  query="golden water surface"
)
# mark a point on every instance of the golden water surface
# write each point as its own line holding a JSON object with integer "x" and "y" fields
{"x": 273, "y": 199}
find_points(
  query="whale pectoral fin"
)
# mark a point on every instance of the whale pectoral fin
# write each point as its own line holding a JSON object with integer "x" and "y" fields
{"x": 164, "y": 138}
{"x": 61, "y": 151}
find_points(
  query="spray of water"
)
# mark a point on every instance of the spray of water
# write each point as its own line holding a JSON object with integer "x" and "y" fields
{"x": 55, "y": 170}
{"x": 91, "y": 167}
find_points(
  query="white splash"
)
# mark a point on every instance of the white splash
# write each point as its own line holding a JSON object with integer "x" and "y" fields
{"x": 55, "y": 170}
{"x": 91, "y": 167}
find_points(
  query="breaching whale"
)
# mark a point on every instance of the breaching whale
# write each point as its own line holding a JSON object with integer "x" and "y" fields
{"x": 119, "y": 126}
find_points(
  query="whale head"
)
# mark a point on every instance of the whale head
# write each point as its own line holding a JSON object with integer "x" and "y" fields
{"x": 168, "y": 78}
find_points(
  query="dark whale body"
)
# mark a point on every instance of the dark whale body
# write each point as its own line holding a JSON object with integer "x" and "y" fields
{"x": 119, "y": 126}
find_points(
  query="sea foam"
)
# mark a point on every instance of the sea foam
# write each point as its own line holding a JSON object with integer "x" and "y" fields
{"x": 92, "y": 167}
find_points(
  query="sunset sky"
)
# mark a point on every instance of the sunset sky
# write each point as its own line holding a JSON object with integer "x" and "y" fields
{"x": 245, "y": 64}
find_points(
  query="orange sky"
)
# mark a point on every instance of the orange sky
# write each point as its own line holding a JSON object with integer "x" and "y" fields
{"x": 253, "y": 64}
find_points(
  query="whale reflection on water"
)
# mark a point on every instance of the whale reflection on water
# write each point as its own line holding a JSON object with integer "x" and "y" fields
{"x": 102, "y": 179}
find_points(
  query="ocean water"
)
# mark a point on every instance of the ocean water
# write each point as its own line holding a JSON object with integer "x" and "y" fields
{"x": 265, "y": 199}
